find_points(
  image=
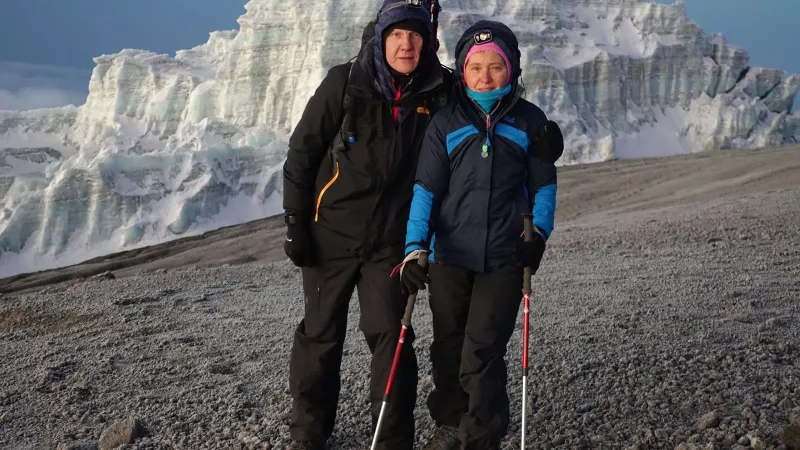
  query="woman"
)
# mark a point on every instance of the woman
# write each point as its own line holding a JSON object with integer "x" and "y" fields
{"x": 487, "y": 159}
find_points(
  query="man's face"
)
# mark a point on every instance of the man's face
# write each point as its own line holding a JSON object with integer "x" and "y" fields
{"x": 486, "y": 71}
{"x": 403, "y": 50}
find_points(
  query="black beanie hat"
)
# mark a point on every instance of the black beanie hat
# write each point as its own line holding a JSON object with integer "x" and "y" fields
{"x": 409, "y": 25}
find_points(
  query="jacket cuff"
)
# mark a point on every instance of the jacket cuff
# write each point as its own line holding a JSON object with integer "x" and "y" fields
{"x": 413, "y": 246}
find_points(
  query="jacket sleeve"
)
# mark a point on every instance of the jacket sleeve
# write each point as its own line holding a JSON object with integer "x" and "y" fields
{"x": 542, "y": 179}
{"x": 542, "y": 185}
{"x": 432, "y": 179}
{"x": 542, "y": 182}
{"x": 310, "y": 140}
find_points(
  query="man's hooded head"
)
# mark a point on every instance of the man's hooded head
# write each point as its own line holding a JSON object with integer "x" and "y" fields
{"x": 404, "y": 28}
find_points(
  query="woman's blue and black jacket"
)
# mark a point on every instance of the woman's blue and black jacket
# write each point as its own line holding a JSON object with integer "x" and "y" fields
{"x": 467, "y": 207}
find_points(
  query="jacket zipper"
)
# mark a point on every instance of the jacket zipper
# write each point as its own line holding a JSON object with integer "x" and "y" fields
{"x": 322, "y": 192}
{"x": 395, "y": 114}
{"x": 396, "y": 109}
{"x": 488, "y": 143}
{"x": 485, "y": 154}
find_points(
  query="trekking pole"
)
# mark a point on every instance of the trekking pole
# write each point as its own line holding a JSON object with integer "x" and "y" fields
{"x": 526, "y": 305}
{"x": 405, "y": 323}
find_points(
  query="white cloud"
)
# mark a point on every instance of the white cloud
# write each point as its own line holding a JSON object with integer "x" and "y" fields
{"x": 30, "y": 86}
{"x": 34, "y": 98}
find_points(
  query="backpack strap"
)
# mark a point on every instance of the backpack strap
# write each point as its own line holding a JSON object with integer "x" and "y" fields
{"x": 346, "y": 130}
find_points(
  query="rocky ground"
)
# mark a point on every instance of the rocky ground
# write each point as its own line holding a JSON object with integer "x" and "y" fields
{"x": 666, "y": 316}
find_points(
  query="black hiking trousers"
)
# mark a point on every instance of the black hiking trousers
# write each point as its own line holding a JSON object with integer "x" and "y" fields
{"x": 316, "y": 356}
{"x": 474, "y": 315}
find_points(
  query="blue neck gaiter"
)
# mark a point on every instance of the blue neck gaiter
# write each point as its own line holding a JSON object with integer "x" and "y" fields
{"x": 487, "y": 100}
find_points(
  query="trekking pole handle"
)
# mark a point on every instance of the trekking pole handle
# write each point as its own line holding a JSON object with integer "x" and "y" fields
{"x": 527, "y": 222}
{"x": 412, "y": 299}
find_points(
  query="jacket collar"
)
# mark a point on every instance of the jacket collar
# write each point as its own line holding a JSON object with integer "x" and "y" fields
{"x": 476, "y": 114}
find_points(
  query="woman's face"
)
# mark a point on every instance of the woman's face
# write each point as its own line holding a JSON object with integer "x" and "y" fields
{"x": 486, "y": 71}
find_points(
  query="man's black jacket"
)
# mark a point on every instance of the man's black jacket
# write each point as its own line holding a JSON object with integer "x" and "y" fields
{"x": 357, "y": 199}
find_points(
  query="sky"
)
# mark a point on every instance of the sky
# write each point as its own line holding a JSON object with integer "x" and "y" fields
{"x": 47, "y": 46}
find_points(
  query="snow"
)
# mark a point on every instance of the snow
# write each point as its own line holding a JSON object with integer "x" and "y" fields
{"x": 611, "y": 31}
{"x": 238, "y": 210}
{"x": 188, "y": 63}
{"x": 36, "y": 140}
{"x": 662, "y": 138}
{"x": 184, "y": 188}
{"x": 572, "y": 57}
{"x": 170, "y": 146}
{"x": 621, "y": 38}
{"x": 667, "y": 40}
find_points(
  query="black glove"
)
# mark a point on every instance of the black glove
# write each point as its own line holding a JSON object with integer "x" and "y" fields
{"x": 299, "y": 245}
{"x": 550, "y": 142}
{"x": 529, "y": 254}
{"x": 413, "y": 276}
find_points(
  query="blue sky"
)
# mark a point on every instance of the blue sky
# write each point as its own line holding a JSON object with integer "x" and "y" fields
{"x": 47, "y": 46}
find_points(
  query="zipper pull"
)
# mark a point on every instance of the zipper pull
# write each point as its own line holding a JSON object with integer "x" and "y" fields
{"x": 485, "y": 148}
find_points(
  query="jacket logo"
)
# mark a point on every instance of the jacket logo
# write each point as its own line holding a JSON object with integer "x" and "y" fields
{"x": 423, "y": 110}
{"x": 509, "y": 119}
{"x": 483, "y": 37}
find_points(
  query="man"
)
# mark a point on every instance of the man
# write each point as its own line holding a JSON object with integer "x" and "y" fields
{"x": 348, "y": 183}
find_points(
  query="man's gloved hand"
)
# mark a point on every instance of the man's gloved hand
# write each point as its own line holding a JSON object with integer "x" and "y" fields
{"x": 412, "y": 275}
{"x": 299, "y": 245}
{"x": 530, "y": 253}
{"x": 550, "y": 142}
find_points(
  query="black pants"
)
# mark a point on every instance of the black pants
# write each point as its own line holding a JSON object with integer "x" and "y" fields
{"x": 473, "y": 318}
{"x": 318, "y": 343}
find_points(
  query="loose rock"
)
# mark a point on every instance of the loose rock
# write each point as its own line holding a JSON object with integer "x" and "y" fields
{"x": 121, "y": 432}
{"x": 710, "y": 420}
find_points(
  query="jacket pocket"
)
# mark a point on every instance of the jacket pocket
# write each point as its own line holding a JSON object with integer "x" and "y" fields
{"x": 324, "y": 189}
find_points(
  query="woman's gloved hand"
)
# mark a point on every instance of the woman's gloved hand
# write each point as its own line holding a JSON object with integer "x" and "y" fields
{"x": 530, "y": 253}
{"x": 412, "y": 275}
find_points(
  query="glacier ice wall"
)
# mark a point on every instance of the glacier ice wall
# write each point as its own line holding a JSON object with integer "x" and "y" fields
{"x": 167, "y": 146}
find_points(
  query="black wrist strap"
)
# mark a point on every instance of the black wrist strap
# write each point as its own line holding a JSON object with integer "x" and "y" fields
{"x": 291, "y": 219}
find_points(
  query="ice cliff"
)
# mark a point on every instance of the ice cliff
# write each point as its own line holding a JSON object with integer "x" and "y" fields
{"x": 168, "y": 146}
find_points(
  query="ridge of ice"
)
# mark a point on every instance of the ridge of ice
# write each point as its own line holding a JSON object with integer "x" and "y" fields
{"x": 168, "y": 146}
